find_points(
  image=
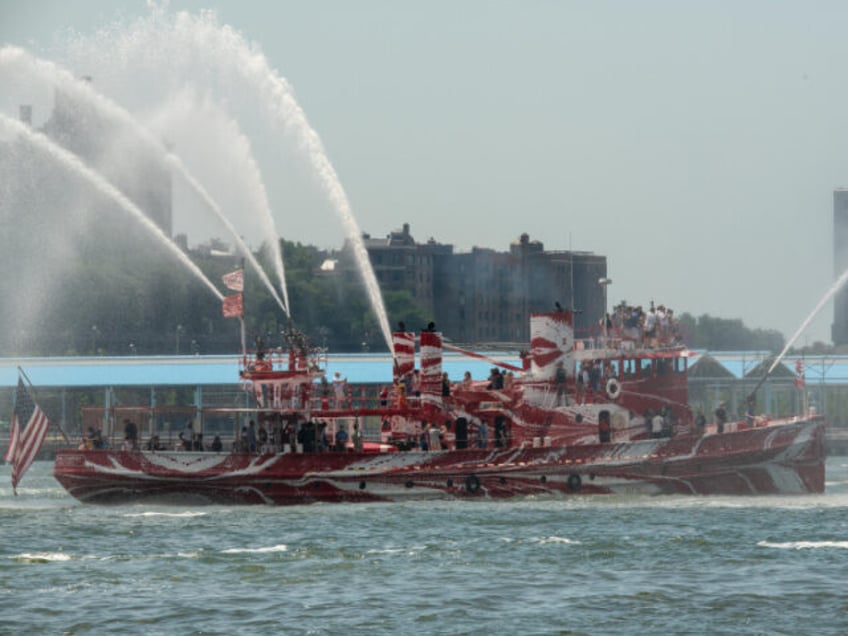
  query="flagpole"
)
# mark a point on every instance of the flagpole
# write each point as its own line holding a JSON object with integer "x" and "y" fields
{"x": 32, "y": 388}
{"x": 243, "y": 340}
{"x": 233, "y": 305}
{"x": 14, "y": 440}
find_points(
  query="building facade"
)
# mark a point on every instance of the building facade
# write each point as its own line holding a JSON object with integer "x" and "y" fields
{"x": 486, "y": 296}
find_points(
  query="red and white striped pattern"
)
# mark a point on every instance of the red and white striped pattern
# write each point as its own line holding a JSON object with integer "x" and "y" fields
{"x": 431, "y": 367}
{"x": 29, "y": 428}
{"x": 552, "y": 341}
{"x": 404, "y": 345}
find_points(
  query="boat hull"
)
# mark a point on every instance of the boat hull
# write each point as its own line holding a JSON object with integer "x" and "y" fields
{"x": 782, "y": 458}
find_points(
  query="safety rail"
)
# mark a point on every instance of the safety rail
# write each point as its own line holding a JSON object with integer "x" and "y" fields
{"x": 314, "y": 361}
{"x": 623, "y": 339}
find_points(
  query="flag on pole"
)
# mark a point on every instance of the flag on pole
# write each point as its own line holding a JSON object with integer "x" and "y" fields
{"x": 232, "y": 306}
{"x": 234, "y": 280}
{"x": 800, "y": 380}
{"x": 29, "y": 428}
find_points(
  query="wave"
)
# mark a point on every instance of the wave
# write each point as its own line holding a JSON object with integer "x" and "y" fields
{"x": 41, "y": 557}
{"x": 165, "y": 514}
{"x": 802, "y": 545}
{"x": 544, "y": 540}
{"x": 144, "y": 557}
{"x": 410, "y": 550}
{"x": 274, "y": 548}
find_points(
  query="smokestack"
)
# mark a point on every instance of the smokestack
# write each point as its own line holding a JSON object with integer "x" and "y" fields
{"x": 26, "y": 114}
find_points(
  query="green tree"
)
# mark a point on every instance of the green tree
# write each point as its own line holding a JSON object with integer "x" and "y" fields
{"x": 724, "y": 334}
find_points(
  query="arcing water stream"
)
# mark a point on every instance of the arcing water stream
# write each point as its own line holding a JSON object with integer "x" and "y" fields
{"x": 291, "y": 116}
{"x": 72, "y": 163}
{"x": 199, "y": 50}
{"x": 840, "y": 282}
{"x": 14, "y": 57}
{"x": 243, "y": 248}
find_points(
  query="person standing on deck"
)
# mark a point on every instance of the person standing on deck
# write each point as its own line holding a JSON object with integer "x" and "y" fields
{"x": 465, "y": 385}
{"x": 657, "y": 426}
{"x": 483, "y": 435}
{"x": 650, "y": 328}
{"x": 560, "y": 379}
{"x": 341, "y": 439}
{"x": 434, "y": 443}
{"x": 700, "y": 423}
{"x": 251, "y": 437}
{"x": 339, "y": 389}
{"x": 357, "y": 438}
{"x": 188, "y": 436}
{"x": 720, "y": 417}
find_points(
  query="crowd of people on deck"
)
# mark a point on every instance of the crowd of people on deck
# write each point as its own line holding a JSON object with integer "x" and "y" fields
{"x": 456, "y": 434}
{"x": 313, "y": 436}
{"x": 93, "y": 440}
{"x": 655, "y": 327}
{"x": 660, "y": 423}
{"x": 407, "y": 390}
{"x": 269, "y": 437}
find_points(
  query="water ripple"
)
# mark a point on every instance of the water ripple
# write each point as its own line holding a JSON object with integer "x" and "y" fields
{"x": 529, "y": 566}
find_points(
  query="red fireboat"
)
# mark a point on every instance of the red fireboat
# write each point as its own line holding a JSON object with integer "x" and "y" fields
{"x": 600, "y": 416}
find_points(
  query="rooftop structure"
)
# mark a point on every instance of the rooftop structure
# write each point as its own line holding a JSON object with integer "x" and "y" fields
{"x": 485, "y": 295}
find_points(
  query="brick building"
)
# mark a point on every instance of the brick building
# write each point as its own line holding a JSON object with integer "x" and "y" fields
{"x": 484, "y": 295}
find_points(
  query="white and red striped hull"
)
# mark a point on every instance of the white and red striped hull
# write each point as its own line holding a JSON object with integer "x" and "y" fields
{"x": 786, "y": 457}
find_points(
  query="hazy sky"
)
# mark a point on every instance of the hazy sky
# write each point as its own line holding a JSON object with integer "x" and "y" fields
{"x": 695, "y": 145}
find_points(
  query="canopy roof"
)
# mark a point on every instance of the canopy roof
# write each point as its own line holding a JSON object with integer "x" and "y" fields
{"x": 138, "y": 371}
{"x": 141, "y": 371}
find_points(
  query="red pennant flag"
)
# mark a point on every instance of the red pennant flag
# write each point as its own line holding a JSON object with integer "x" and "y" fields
{"x": 232, "y": 306}
{"x": 234, "y": 280}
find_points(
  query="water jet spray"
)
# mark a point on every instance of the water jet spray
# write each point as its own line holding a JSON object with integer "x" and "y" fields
{"x": 75, "y": 165}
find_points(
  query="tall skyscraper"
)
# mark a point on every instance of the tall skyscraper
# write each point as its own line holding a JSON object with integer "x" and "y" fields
{"x": 839, "y": 329}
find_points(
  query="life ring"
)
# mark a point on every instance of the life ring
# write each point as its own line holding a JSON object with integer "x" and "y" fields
{"x": 472, "y": 484}
{"x": 574, "y": 482}
{"x": 613, "y": 388}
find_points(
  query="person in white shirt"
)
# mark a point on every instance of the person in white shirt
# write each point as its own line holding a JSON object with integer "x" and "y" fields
{"x": 657, "y": 423}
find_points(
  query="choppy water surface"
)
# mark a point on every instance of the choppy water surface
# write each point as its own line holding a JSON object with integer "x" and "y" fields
{"x": 717, "y": 565}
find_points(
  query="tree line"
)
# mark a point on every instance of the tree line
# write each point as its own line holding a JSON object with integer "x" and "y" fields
{"x": 125, "y": 296}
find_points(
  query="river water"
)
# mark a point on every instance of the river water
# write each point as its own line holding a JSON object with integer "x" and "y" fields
{"x": 579, "y": 565}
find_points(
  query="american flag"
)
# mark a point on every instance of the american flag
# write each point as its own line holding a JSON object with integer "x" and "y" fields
{"x": 234, "y": 280}
{"x": 29, "y": 428}
{"x": 232, "y": 306}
